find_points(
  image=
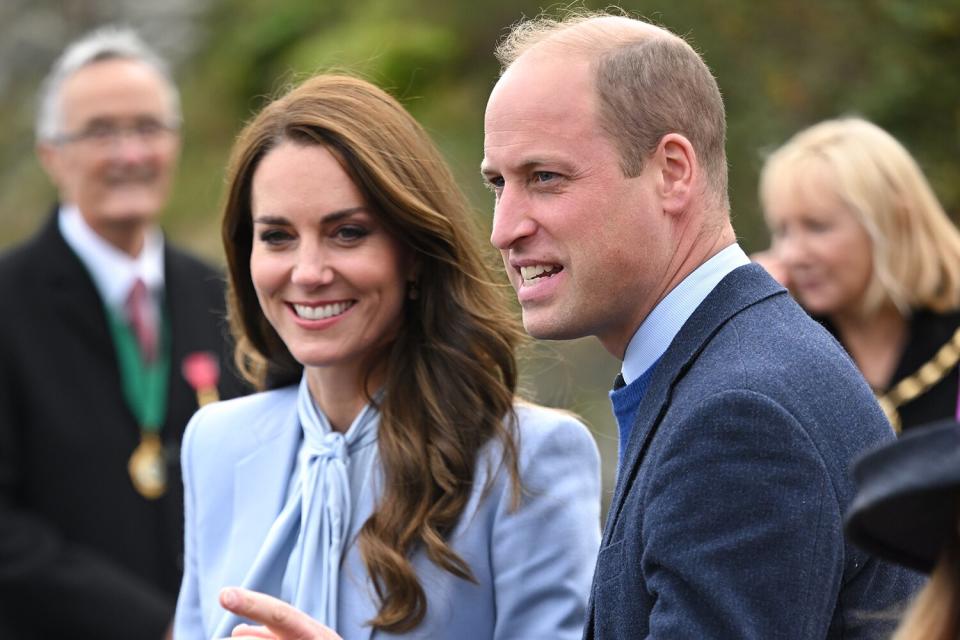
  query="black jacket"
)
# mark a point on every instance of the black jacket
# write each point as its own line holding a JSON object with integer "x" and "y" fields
{"x": 927, "y": 332}
{"x": 82, "y": 554}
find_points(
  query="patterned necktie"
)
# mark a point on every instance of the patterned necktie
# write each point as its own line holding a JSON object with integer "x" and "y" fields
{"x": 141, "y": 318}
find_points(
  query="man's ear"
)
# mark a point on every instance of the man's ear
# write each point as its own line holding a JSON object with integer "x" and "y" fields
{"x": 679, "y": 172}
{"x": 49, "y": 157}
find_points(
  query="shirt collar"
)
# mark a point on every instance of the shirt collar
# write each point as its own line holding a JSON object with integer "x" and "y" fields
{"x": 661, "y": 326}
{"x": 113, "y": 271}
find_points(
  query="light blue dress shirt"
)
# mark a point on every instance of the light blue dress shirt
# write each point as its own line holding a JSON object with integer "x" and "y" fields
{"x": 661, "y": 326}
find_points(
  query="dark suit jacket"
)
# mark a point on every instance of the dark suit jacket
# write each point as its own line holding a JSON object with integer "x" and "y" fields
{"x": 82, "y": 555}
{"x": 928, "y": 331}
{"x": 726, "y": 521}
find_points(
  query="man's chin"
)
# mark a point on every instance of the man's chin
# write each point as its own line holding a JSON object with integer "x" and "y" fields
{"x": 547, "y": 328}
{"x": 133, "y": 211}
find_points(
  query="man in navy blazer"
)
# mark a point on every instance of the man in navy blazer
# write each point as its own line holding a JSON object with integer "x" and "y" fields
{"x": 739, "y": 415}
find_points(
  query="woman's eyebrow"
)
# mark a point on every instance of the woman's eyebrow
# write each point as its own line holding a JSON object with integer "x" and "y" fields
{"x": 333, "y": 216}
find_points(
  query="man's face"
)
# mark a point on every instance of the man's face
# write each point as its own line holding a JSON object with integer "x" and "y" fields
{"x": 585, "y": 248}
{"x": 116, "y": 149}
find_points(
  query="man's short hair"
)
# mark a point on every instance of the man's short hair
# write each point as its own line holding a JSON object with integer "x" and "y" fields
{"x": 106, "y": 43}
{"x": 649, "y": 81}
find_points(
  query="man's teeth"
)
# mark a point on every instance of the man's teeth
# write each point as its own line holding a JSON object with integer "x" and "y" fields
{"x": 322, "y": 312}
{"x": 536, "y": 271}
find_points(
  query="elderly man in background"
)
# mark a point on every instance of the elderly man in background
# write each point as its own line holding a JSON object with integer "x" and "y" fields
{"x": 109, "y": 340}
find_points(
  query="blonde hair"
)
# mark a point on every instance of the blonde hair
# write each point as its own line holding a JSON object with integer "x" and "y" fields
{"x": 649, "y": 82}
{"x": 935, "y": 613}
{"x": 916, "y": 247}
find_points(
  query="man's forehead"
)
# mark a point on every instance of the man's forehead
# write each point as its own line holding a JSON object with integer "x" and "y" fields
{"x": 535, "y": 109}
{"x": 541, "y": 72}
{"x": 108, "y": 84}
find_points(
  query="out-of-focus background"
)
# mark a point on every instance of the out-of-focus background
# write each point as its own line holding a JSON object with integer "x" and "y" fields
{"x": 781, "y": 65}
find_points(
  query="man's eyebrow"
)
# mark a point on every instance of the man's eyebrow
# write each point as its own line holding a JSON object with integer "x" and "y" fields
{"x": 527, "y": 165}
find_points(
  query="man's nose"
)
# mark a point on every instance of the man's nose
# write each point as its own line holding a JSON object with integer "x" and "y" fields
{"x": 131, "y": 148}
{"x": 512, "y": 219}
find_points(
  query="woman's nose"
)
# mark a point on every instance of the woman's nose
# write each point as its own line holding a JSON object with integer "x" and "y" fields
{"x": 312, "y": 268}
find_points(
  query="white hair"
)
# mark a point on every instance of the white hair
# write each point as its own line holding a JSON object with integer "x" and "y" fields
{"x": 106, "y": 43}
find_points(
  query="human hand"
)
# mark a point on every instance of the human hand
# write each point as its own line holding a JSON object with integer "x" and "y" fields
{"x": 774, "y": 266}
{"x": 280, "y": 620}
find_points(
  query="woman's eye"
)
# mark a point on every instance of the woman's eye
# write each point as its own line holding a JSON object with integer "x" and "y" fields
{"x": 818, "y": 226}
{"x": 274, "y": 236}
{"x": 351, "y": 233}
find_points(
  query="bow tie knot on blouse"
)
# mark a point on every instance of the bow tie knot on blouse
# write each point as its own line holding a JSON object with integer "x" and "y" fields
{"x": 332, "y": 446}
{"x": 301, "y": 556}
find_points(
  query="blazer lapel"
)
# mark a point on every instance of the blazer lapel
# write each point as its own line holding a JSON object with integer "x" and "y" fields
{"x": 69, "y": 287}
{"x": 261, "y": 480}
{"x": 740, "y": 289}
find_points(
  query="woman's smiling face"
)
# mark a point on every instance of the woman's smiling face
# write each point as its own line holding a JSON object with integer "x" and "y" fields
{"x": 825, "y": 249}
{"x": 328, "y": 276}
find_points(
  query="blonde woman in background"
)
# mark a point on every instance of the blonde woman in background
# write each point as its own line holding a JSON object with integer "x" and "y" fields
{"x": 862, "y": 242}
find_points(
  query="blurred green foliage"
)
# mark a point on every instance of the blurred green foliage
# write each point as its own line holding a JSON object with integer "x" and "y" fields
{"x": 781, "y": 65}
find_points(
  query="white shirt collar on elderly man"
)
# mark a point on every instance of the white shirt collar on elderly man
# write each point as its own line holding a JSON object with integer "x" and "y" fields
{"x": 113, "y": 271}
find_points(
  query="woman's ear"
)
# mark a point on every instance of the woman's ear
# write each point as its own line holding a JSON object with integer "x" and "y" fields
{"x": 412, "y": 268}
{"x": 413, "y": 278}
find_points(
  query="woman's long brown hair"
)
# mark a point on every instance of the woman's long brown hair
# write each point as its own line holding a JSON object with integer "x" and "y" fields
{"x": 451, "y": 374}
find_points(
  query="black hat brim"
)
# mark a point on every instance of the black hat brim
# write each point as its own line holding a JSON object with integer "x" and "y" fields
{"x": 906, "y": 505}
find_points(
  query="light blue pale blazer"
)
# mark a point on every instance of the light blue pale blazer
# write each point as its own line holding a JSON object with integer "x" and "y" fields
{"x": 533, "y": 565}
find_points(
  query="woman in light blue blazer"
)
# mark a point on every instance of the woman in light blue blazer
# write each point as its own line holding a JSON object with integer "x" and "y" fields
{"x": 386, "y": 482}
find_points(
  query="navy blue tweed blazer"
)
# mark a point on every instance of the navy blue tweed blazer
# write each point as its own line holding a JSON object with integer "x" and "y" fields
{"x": 726, "y": 521}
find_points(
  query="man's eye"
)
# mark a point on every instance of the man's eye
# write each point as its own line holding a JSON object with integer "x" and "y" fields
{"x": 100, "y": 132}
{"x": 149, "y": 128}
{"x": 494, "y": 183}
{"x": 545, "y": 176}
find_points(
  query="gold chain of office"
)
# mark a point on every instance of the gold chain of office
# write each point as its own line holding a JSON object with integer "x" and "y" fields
{"x": 921, "y": 380}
